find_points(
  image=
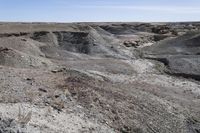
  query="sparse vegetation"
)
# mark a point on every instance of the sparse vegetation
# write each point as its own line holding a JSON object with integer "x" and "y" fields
{"x": 23, "y": 118}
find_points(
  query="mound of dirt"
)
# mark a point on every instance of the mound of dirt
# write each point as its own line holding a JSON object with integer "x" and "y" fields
{"x": 119, "y": 29}
{"x": 45, "y": 37}
{"x": 180, "y": 55}
{"x": 14, "y": 58}
{"x": 22, "y": 44}
{"x": 74, "y": 41}
{"x": 91, "y": 41}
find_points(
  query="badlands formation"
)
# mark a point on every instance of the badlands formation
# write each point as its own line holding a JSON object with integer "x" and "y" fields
{"x": 100, "y": 77}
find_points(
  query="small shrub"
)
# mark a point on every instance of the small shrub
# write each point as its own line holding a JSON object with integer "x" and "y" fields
{"x": 23, "y": 118}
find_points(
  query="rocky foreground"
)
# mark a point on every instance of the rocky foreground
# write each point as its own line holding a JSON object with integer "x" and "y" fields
{"x": 100, "y": 77}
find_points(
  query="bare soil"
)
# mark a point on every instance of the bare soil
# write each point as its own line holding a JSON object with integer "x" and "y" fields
{"x": 99, "y": 77}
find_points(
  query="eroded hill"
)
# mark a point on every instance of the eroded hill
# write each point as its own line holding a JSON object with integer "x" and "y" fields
{"x": 100, "y": 77}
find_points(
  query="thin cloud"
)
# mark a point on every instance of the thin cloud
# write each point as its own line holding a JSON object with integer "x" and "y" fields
{"x": 169, "y": 9}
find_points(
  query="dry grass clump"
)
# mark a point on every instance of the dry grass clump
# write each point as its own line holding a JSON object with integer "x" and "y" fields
{"x": 24, "y": 118}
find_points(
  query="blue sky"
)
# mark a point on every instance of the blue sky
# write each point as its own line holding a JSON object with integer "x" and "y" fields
{"x": 99, "y": 10}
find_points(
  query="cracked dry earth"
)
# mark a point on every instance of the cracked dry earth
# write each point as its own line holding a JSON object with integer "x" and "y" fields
{"x": 99, "y": 78}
